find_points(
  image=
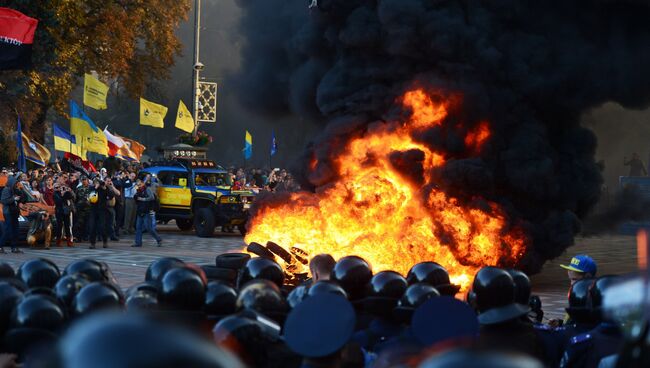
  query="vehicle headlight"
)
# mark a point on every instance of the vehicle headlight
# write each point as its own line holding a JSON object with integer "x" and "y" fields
{"x": 227, "y": 199}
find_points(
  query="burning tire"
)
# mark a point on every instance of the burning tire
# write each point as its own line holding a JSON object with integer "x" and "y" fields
{"x": 260, "y": 250}
{"x": 280, "y": 252}
{"x": 184, "y": 224}
{"x": 204, "y": 222}
{"x": 233, "y": 261}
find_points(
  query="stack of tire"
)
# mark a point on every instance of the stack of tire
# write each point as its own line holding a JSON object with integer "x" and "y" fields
{"x": 295, "y": 260}
{"x": 226, "y": 268}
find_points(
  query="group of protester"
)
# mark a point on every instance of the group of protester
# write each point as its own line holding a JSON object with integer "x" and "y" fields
{"x": 87, "y": 205}
{"x": 241, "y": 311}
{"x": 101, "y": 201}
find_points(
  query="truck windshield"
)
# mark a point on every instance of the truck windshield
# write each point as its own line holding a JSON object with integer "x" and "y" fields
{"x": 212, "y": 179}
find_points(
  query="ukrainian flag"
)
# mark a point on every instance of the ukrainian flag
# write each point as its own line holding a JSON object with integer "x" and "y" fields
{"x": 89, "y": 137}
{"x": 248, "y": 146}
{"x": 65, "y": 142}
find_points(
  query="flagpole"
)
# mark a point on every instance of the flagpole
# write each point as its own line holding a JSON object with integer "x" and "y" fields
{"x": 198, "y": 66}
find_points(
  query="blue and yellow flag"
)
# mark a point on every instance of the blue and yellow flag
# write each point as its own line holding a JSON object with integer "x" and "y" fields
{"x": 88, "y": 136}
{"x": 248, "y": 146}
{"x": 65, "y": 142}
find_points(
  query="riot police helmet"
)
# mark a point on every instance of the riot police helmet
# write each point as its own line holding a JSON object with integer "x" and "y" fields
{"x": 182, "y": 289}
{"x": 495, "y": 296}
{"x": 159, "y": 267}
{"x": 353, "y": 274}
{"x": 433, "y": 274}
{"x": 38, "y": 311}
{"x": 39, "y": 272}
{"x": 97, "y": 296}
{"x": 261, "y": 268}
{"x": 220, "y": 300}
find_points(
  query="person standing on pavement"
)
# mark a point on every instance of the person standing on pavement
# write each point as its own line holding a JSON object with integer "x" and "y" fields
{"x": 118, "y": 183}
{"x": 83, "y": 210}
{"x": 111, "y": 224}
{"x": 145, "y": 214}
{"x": 129, "y": 204}
{"x": 64, "y": 208}
{"x": 11, "y": 197}
{"x": 98, "y": 200}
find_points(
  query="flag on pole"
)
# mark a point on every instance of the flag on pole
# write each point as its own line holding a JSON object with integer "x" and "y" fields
{"x": 95, "y": 93}
{"x": 16, "y": 39}
{"x": 34, "y": 151}
{"x": 114, "y": 143}
{"x": 274, "y": 144}
{"x": 65, "y": 142}
{"x": 22, "y": 164}
{"x": 248, "y": 146}
{"x": 184, "y": 120}
{"x": 152, "y": 114}
{"x": 89, "y": 137}
{"x": 135, "y": 149}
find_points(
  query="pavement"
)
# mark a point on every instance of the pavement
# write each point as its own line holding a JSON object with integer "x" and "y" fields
{"x": 615, "y": 254}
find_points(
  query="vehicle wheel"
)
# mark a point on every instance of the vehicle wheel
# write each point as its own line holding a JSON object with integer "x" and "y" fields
{"x": 233, "y": 261}
{"x": 184, "y": 224}
{"x": 221, "y": 274}
{"x": 260, "y": 250}
{"x": 204, "y": 222}
{"x": 279, "y": 251}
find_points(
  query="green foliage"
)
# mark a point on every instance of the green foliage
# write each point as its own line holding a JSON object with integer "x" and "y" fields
{"x": 130, "y": 43}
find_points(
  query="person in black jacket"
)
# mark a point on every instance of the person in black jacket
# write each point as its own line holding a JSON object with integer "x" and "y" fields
{"x": 64, "y": 208}
{"x": 11, "y": 196}
{"x": 145, "y": 214}
{"x": 98, "y": 212}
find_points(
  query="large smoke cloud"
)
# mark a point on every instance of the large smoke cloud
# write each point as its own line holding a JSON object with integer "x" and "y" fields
{"x": 530, "y": 68}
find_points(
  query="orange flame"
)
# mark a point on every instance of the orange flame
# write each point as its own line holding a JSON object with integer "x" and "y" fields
{"x": 374, "y": 212}
{"x": 475, "y": 138}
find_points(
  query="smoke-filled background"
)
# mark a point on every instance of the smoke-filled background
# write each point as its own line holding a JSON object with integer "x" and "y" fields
{"x": 532, "y": 69}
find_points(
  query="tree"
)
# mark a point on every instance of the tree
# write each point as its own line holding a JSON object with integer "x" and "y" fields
{"x": 129, "y": 43}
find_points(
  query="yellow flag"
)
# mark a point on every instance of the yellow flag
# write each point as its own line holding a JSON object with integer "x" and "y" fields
{"x": 184, "y": 120}
{"x": 152, "y": 114}
{"x": 95, "y": 93}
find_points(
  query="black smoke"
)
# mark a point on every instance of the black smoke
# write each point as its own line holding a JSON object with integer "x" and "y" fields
{"x": 530, "y": 68}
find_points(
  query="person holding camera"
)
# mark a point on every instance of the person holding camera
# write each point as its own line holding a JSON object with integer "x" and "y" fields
{"x": 98, "y": 200}
{"x": 145, "y": 213}
{"x": 40, "y": 228}
{"x": 11, "y": 196}
{"x": 63, "y": 209}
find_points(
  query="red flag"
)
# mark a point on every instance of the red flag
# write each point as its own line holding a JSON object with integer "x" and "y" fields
{"x": 16, "y": 39}
{"x": 76, "y": 160}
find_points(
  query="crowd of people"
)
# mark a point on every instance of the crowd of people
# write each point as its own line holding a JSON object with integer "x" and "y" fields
{"x": 99, "y": 202}
{"x": 184, "y": 315}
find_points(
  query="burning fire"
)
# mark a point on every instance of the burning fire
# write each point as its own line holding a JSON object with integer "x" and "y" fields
{"x": 374, "y": 212}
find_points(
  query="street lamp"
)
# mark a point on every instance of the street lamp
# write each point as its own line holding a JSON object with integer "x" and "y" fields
{"x": 198, "y": 66}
